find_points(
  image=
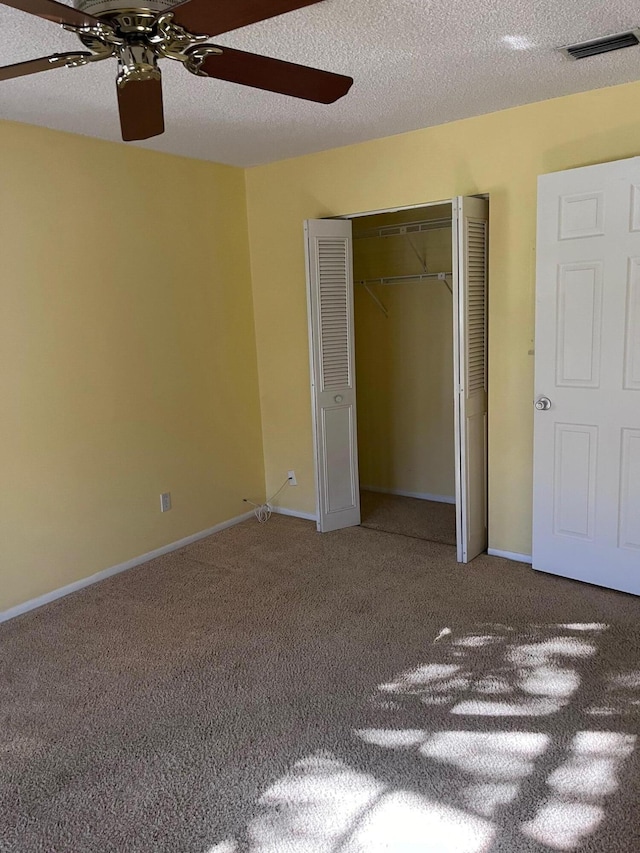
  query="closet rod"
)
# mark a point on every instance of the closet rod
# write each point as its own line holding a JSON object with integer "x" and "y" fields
{"x": 398, "y": 279}
{"x": 404, "y": 228}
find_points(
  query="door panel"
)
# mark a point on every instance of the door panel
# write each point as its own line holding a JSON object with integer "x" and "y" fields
{"x": 630, "y": 491}
{"x": 328, "y": 246}
{"x": 337, "y": 436}
{"x": 579, "y": 332}
{"x": 586, "y": 446}
{"x": 575, "y": 462}
{"x": 632, "y": 332}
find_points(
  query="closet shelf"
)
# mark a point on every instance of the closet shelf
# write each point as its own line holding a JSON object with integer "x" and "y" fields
{"x": 405, "y": 228}
{"x": 399, "y": 279}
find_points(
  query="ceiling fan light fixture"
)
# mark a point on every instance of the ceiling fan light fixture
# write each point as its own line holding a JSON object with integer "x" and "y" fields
{"x": 136, "y": 63}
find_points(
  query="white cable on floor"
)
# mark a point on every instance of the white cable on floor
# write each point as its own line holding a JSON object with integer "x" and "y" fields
{"x": 263, "y": 511}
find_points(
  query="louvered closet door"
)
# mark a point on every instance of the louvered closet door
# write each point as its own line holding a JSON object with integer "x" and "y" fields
{"x": 471, "y": 223}
{"x": 330, "y": 301}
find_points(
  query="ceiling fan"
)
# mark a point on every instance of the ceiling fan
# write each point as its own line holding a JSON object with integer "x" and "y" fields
{"x": 140, "y": 32}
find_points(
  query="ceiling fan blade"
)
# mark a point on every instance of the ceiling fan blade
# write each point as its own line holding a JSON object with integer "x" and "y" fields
{"x": 274, "y": 75}
{"x": 33, "y": 66}
{"x": 212, "y": 18}
{"x": 59, "y": 13}
{"x": 141, "y": 110}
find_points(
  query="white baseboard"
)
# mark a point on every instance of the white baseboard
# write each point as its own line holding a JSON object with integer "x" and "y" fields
{"x": 33, "y": 603}
{"x": 282, "y": 510}
{"x": 421, "y": 496}
{"x": 510, "y": 555}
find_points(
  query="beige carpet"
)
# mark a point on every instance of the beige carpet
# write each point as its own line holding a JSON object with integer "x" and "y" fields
{"x": 409, "y": 516}
{"x": 274, "y": 690}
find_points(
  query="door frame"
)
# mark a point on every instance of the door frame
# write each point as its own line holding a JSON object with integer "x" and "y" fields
{"x": 460, "y": 485}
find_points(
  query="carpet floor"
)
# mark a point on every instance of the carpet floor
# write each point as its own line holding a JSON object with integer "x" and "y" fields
{"x": 274, "y": 690}
{"x": 409, "y": 516}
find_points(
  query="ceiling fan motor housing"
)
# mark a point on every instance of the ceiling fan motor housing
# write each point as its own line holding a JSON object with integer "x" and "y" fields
{"x": 99, "y": 8}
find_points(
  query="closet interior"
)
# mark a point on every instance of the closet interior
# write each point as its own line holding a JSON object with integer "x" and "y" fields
{"x": 404, "y": 371}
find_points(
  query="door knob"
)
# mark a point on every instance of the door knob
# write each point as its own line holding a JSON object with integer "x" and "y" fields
{"x": 543, "y": 404}
{"x": 338, "y": 398}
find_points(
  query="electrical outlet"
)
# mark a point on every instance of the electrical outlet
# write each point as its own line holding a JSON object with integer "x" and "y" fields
{"x": 292, "y": 478}
{"x": 165, "y": 502}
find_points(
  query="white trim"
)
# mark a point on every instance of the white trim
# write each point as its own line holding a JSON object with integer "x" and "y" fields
{"x": 458, "y": 328}
{"x": 19, "y": 609}
{"x": 393, "y": 209}
{"x": 282, "y": 510}
{"x": 312, "y": 374}
{"x": 421, "y": 496}
{"x": 510, "y": 555}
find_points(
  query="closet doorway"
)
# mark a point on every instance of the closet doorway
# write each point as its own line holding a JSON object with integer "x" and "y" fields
{"x": 403, "y": 317}
{"x": 397, "y": 306}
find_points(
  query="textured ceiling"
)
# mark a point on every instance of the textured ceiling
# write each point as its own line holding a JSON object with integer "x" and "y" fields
{"x": 415, "y": 63}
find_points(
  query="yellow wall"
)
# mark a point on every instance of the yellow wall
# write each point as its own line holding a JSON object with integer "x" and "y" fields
{"x": 128, "y": 354}
{"x": 128, "y": 362}
{"x": 404, "y": 361}
{"x": 500, "y": 154}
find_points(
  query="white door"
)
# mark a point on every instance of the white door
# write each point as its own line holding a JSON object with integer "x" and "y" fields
{"x": 586, "y": 522}
{"x": 470, "y": 244}
{"x": 329, "y": 258}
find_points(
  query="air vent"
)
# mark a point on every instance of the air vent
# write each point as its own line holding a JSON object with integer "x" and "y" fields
{"x": 603, "y": 45}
